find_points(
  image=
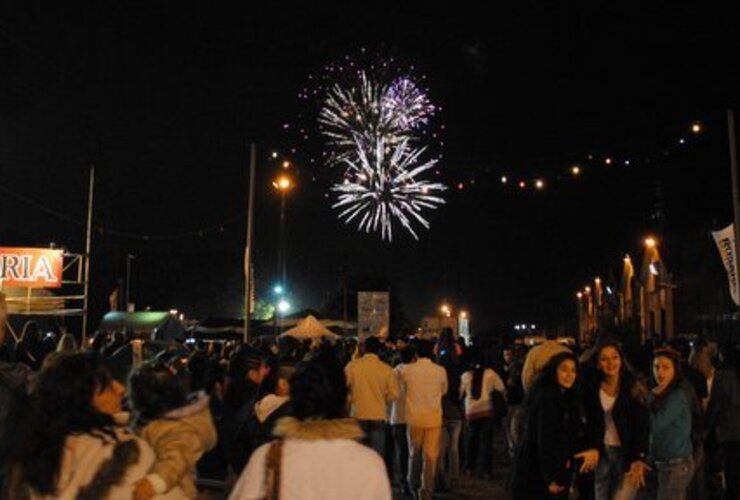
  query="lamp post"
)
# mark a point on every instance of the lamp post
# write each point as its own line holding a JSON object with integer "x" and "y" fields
{"x": 283, "y": 183}
{"x": 445, "y": 311}
{"x": 129, "y": 258}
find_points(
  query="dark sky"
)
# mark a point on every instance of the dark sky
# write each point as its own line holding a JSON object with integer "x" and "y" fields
{"x": 164, "y": 98}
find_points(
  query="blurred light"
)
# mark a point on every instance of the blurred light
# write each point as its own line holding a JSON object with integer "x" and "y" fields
{"x": 445, "y": 310}
{"x": 575, "y": 170}
{"x": 283, "y": 306}
{"x": 274, "y": 155}
{"x": 608, "y": 161}
{"x": 579, "y": 295}
{"x": 173, "y": 312}
{"x": 682, "y": 141}
{"x": 626, "y": 162}
{"x": 653, "y": 270}
{"x": 522, "y": 184}
{"x": 283, "y": 183}
{"x": 587, "y": 289}
{"x": 460, "y": 186}
{"x": 278, "y": 290}
{"x": 609, "y": 290}
{"x": 539, "y": 184}
{"x": 650, "y": 242}
{"x": 463, "y": 315}
{"x": 627, "y": 259}
{"x": 504, "y": 179}
{"x": 697, "y": 128}
{"x": 597, "y": 280}
{"x": 286, "y": 164}
{"x": 516, "y": 327}
{"x": 533, "y": 327}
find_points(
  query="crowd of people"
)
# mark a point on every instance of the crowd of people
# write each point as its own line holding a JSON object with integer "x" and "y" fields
{"x": 285, "y": 419}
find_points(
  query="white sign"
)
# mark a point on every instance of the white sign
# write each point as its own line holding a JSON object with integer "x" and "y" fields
{"x": 373, "y": 314}
{"x": 725, "y": 239}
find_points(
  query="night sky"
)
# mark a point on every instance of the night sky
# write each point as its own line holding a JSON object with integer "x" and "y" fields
{"x": 165, "y": 97}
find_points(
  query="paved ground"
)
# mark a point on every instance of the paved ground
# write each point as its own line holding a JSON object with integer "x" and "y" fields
{"x": 473, "y": 488}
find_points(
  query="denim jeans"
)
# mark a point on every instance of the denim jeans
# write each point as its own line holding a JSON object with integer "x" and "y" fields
{"x": 449, "y": 453}
{"x": 479, "y": 434}
{"x": 374, "y": 434}
{"x": 671, "y": 478}
{"x": 401, "y": 444}
{"x": 609, "y": 483}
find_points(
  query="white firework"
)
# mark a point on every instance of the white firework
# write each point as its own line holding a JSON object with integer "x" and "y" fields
{"x": 369, "y": 110}
{"x": 379, "y": 188}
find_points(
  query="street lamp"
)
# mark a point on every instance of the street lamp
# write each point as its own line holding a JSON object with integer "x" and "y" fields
{"x": 283, "y": 183}
{"x": 650, "y": 242}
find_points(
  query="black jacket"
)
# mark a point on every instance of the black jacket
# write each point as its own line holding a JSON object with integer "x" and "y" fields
{"x": 236, "y": 429}
{"x": 631, "y": 417}
{"x": 554, "y": 431}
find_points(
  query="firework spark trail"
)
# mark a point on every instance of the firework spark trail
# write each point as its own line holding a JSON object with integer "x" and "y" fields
{"x": 381, "y": 189}
{"x": 370, "y": 110}
{"x": 373, "y": 128}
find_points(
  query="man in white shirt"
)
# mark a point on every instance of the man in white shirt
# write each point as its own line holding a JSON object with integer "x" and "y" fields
{"x": 424, "y": 384}
{"x": 372, "y": 384}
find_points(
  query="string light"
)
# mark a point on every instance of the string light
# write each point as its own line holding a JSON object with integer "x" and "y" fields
{"x": 576, "y": 170}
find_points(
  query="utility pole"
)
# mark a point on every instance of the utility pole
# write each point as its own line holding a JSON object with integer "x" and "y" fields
{"x": 735, "y": 187}
{"x": 248, "y": 249}
{"x": 88, "y": 248}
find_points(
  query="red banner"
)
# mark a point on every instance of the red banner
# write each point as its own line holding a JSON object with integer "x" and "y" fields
{"x": 31, "y": 267}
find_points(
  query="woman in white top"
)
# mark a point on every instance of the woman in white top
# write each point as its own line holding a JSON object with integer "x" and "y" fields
{"x": 617, "y": 415}
{"x": 317, "y": 454}
{"x": 476, "y": 386}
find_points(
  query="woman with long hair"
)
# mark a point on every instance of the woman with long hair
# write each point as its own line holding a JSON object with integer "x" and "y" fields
{"x": 317, "y": 453}
{"x": 73, "y": 445}
{"x": 476, "y": 386}
{"x": 452, "y": 419}
{"x": 671, "y": 449}
{"x": 552, "y": 443}
{"x": 615, "y": 402}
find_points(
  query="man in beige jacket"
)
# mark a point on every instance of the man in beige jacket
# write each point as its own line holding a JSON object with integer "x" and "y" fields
{"x": 372, "y": 385}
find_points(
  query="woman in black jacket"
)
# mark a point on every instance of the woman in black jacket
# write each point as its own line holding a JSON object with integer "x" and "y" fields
{"x": 553, "y": 436}
{"x": 614, "y": 399}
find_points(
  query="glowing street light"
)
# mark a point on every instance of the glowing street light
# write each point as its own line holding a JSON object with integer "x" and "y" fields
{"x": 650, "y": 242}
{"x": 463, "y": 315}
{"x": 283, "y": 306}
{"x": 282, "y": 183}
{"x": 579, "y": 295}
{"x": 696, "y": 128}
{"x": 575, "y": 170}
{"x": 445, "y": 310}
{"x": 278, "y": 289}
{"x": 539, "y": 184}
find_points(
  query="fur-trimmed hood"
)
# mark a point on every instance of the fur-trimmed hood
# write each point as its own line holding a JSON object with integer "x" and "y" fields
{"x": 314, "y": 430}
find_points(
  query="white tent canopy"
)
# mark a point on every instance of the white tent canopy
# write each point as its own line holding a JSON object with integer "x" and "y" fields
{"x": 309, "y": 328}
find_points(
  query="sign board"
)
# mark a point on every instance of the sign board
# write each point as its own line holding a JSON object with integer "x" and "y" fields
{"x": 31, "y": 267}
{"x": 373, "y": 314}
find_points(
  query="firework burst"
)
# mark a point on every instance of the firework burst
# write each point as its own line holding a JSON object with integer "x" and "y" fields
{"x": 378, "y": 189}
